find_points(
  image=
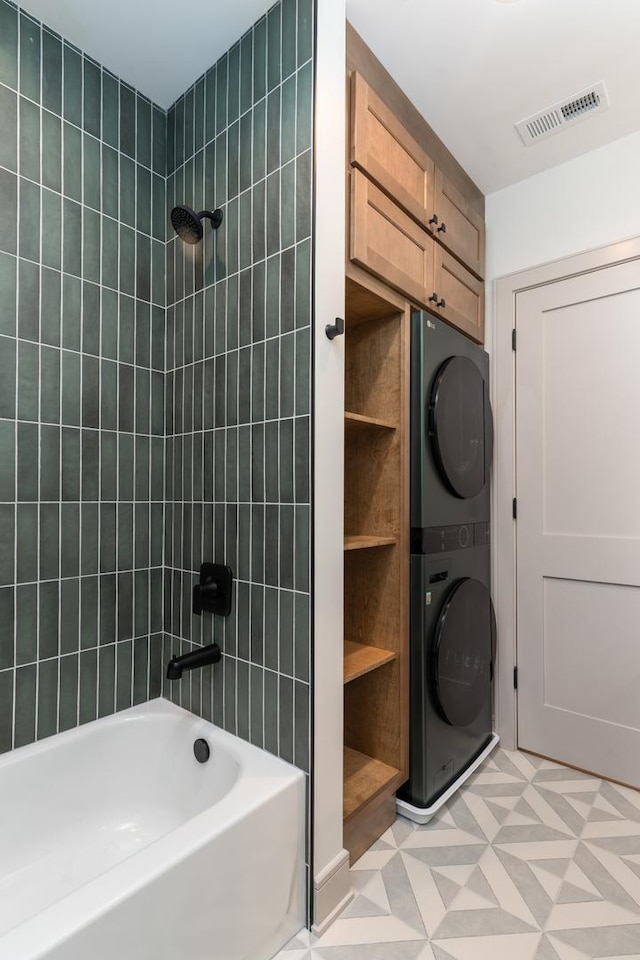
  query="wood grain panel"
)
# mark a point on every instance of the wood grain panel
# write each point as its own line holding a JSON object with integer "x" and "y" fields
{"x": 369, "y": 822}
{"x": 372, "y": 369}
{"x": 360, "y": 659}
{"x": 356, "y": 421}
{"x": 386, "y": 241}
{"x": 362, "y": 542}
{"x": 464, "y": 233}
{"x": 463, "y": 294}
{"x": 372, "y": 712}
{"x": 388, "y": 154}
{"x": 364, "y": 778}
{"x": 361, "y": 59}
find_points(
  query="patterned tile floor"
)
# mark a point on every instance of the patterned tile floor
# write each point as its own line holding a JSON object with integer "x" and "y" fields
{"x": 530, "y": 861}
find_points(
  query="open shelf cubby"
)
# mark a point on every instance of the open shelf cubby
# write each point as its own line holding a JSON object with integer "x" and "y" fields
{"x": 376, "y": 562}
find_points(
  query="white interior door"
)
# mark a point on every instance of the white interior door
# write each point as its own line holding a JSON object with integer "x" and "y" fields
{"x": 578, "y": 527}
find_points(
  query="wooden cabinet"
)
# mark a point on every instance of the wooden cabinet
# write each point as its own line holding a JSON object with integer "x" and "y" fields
{"x": 388, "y": 154}
{"x": 460, "y": 295}
{"x": 388, "y": 243}
{"x": 460, "y": 228}
{"x": 410, "y": 224}
{"x": 375, "y": 562}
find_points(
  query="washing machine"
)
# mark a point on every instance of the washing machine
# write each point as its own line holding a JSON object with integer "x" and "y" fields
{"x": 451, "y": 431}
{"x": 452, "y": 656}
{"x": 453, "y": 636}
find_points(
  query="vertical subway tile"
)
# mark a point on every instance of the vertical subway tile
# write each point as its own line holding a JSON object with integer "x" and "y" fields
{"x": 69, "y": 615}
{"x": 27, "y": 542}
{"x": 87, "y": 694}
{"x": 289, "y": 33}
{"x": 9, "y": 203}
{"x": 47, "y": 698}
{"x": 8, "y": 291}
{"x": 6, "y": 706}
{"x": 107, "y": 680}
{"x": 7, "y": 615}
{"x": 72, "y": 85}
{"x": 51, "y": 71}
{"x": 92, "y": 97}
{"x": 127, "y": 120}
{"x": 286, "y": 719}
{"x": 25, "y": 705}
{"x": 9, "y": 141}
{"x": 26, "y": 623}
{"x": 9, "y": 45}
{"x": 68, "y": 699}
{"x": 30, "y": 47}
{"x": 48, "y": 614}
{"x": 51, "y": 151}
{"x": 7, "y": 461}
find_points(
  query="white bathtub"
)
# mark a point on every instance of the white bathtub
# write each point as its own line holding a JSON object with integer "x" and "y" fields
{"x": 116, "y": 844}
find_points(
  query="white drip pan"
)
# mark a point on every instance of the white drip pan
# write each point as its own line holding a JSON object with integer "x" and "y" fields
{"x": 422, "y": 815}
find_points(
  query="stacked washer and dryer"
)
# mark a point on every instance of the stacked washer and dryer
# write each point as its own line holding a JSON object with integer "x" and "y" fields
{"x": 453, "y": 636}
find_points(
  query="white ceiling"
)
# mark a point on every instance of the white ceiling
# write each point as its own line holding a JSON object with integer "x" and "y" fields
{"x": 158, "y": 46}
{"x": 472, "y": 67}
{"x": 475, "y": 67}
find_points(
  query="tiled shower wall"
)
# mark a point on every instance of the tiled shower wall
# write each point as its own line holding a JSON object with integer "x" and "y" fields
{"x": 82, "y": 342}
{"x": 238, "y": 382}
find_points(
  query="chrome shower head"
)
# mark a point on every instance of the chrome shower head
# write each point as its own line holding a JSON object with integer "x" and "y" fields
{"x": 188, "y": 224}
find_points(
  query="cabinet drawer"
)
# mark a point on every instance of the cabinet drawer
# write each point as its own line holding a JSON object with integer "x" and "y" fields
{"x": 386, "y": 152}
{"x": 463, "y": 232}
{"x": 388, "y": 243}
{"x": 463, "y": 295}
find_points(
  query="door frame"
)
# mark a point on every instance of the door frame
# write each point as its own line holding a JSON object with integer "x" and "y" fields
{"x": 503, "y": 397}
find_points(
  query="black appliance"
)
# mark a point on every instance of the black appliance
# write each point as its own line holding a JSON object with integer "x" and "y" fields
{"x": 452, "y": 620}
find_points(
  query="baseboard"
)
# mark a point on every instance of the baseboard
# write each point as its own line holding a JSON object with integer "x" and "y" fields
{"x": 331, "y": 892}
{"x": 422, "y": 815}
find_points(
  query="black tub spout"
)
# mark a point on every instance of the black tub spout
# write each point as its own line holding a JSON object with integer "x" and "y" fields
{"x": 200, "y": 657}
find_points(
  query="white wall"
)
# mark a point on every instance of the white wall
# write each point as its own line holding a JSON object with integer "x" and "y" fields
{"x": 330, "y": 860}
{"x": 585, "y": 203}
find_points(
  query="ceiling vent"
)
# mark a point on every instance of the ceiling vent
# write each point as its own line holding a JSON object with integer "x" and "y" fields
{"x": 552, "y": 120}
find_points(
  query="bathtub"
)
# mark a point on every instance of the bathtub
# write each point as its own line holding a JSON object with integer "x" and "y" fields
{"x": 117, "y": 844}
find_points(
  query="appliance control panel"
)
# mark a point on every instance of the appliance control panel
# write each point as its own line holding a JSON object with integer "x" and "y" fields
{"x": 458, "y": 536}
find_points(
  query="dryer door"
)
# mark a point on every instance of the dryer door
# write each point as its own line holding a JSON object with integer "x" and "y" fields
{"x": 461, "y": 426}
{"x": 462, "y": 653}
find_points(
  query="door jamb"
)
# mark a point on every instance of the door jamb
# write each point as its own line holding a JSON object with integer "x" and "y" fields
{"x": 506, "y": 290}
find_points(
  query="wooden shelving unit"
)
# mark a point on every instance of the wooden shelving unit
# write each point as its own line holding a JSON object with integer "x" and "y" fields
{"x": 376, "y": 559}
{"x": 366, "y": 543}
{"x": 360, "y": 659}
{"x": 356, "y": 421}
{"x": 364, "y": 779}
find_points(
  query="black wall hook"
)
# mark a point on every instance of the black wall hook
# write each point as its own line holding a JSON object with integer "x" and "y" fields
{"x": 334, "y": 330}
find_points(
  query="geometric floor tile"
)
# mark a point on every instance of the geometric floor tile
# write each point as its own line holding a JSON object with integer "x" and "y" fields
{"x": 528, "y": 861}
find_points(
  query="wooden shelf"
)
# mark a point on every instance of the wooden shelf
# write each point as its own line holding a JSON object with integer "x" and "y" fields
{"x": 364, "y": 778}
{"x": 365, "y": 543}
{"x": 360, "y": 659}
{"x": 358, "y": 421}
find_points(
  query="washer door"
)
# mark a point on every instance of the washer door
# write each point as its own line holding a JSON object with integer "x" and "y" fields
{"x": 461, "y": 426}
{"x": 462, "y": 653}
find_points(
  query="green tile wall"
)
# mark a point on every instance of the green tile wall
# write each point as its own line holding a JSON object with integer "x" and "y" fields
{"x": 238, "y": 389}
{"x": 155, "y": 399}
{"x": 82, "y": 344}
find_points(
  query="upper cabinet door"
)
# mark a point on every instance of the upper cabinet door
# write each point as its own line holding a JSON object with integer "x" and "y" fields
{"x": 460, "y": 295}
{"x": 388, "y": 243}
{"x": 460, "y": 228}
{"x": 388, "y": 154}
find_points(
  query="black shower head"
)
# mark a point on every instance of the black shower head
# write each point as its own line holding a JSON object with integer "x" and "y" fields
{"x": 188, "y": 224}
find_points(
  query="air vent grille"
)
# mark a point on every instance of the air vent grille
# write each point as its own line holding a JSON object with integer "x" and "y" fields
{"x": 552, "y": 120}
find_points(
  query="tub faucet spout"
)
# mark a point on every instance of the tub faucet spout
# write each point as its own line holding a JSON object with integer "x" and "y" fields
{"x": 200, "y": 657}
